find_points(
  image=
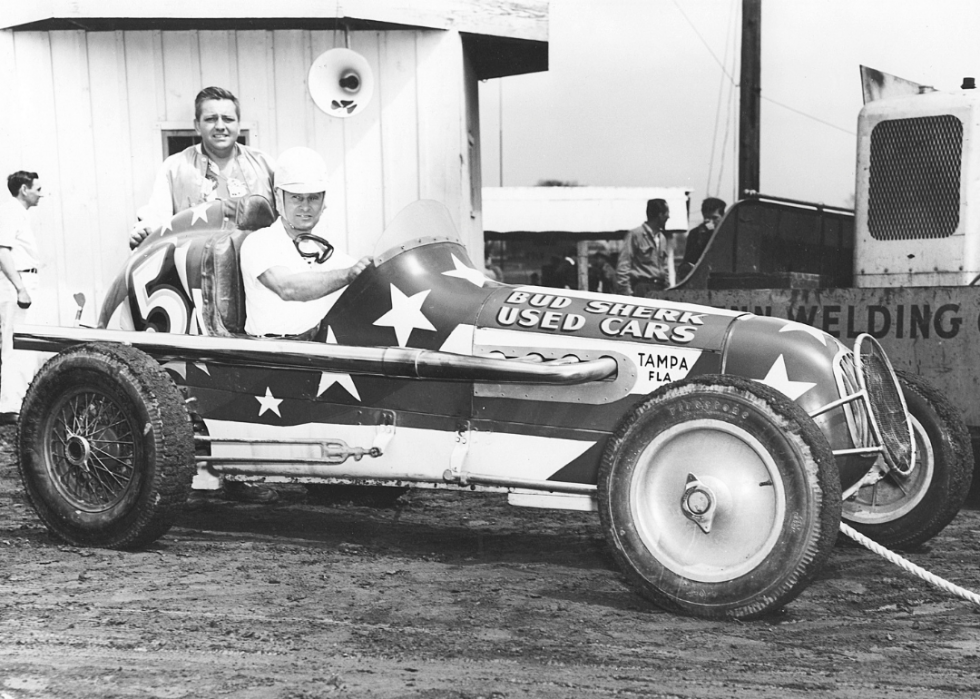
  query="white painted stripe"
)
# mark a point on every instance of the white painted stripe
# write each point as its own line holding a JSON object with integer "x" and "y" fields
{"x": 460, "y": 340}
{"x": 411, "y": 453}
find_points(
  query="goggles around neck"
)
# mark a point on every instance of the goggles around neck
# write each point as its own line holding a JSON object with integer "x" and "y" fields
{"x": 313, "y": 247}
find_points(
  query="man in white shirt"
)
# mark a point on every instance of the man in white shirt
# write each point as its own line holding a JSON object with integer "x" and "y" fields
{"x": 646, "y": 260}
{"x": 292, "y": 276}
{"x": 19, "y": 262}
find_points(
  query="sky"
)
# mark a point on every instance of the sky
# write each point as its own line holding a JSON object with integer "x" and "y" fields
{"x": 643, "y": 93}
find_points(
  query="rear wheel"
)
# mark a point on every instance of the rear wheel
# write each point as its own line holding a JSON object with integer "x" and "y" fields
{"x": 719, "y": 497}
{"x": 905, "y": 511}
{"x": 105, "y": 446}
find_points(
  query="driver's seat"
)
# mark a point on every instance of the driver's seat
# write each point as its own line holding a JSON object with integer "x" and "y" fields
{"x": 221, "y": 277}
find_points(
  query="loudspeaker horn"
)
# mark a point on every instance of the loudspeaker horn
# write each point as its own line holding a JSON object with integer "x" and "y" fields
{"x": 341, "y": 82}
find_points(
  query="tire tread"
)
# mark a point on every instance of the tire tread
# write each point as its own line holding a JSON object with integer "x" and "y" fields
{"x": 172, "y": 436}
{"x": 952, "y": 486}
{"x": 794, "y": 421}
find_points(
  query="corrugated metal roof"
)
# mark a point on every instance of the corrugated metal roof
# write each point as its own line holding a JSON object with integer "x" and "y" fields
{"x": 518, "y": 19}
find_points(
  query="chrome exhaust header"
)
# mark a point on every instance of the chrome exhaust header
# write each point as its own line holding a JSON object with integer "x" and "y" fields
{"x": 393, "y": 362}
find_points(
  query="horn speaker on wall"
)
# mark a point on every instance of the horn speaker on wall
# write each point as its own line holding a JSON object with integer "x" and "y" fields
{"x": 341, "y": 82}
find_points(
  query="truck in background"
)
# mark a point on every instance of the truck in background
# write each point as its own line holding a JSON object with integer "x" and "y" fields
{"x": 903, "y": 267}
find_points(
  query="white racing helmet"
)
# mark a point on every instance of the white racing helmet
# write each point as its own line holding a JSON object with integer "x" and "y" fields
{"x": 301, "y": 170}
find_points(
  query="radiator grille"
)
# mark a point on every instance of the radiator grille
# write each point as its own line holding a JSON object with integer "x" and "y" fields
{"x": 914, "y": 190}
{"x": 888, "y": 409}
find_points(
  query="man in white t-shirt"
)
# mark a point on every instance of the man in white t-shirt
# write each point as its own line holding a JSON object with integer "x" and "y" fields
{"x": 19, "y": 262}
{"x": 292, "y": 276}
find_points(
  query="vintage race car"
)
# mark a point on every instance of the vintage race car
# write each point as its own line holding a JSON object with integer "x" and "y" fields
{"x": 714, "y": 444}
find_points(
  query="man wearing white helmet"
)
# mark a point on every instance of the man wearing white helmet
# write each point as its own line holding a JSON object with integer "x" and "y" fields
{"x": 293, "y": 276}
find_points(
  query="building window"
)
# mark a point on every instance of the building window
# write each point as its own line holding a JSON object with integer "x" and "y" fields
{"x": 176, "y": 140}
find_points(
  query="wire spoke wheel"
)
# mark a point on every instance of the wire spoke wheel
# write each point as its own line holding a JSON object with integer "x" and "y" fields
{"x": 719, "y": 498}
{"x": 91, "y": 450}
{"x": 105, "y": 447}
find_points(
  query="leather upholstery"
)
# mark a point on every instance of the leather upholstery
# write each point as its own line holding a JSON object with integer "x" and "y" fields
{"x": 221, "y": 275}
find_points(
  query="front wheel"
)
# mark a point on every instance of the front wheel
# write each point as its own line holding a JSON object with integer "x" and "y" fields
{"x": 719, "y": 497}
{"x": 105, "y": 447}
{"x": 905, "y": 511}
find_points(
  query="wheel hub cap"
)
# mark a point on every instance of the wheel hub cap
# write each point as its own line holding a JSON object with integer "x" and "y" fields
{"x": 77, "y": 451}
{"x": 698, "y": 503}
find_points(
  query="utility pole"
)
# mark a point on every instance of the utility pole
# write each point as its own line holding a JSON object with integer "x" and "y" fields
{"x": 750, "y": 90}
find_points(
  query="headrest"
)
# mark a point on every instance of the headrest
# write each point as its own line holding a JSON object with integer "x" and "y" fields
{"x": 253, "y": 212}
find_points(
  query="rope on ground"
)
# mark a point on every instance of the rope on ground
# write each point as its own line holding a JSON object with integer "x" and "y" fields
{"x": 910, "y": 567}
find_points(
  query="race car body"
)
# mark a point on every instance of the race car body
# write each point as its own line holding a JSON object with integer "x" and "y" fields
{"x": 424, "y": 293}
{"x": 714, "y": 443}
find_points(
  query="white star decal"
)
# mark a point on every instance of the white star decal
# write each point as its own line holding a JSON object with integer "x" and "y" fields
{"x": 778, "y": 379}
{"x": 180, "y": 262}
{"x": 198, "y": 326}
{"x": 200, "y": 213}
{"x": 269, "y": 402}
{"x": 168, "y": 226}
{"x": 474, "y": 276}
{"x": 180, "y": 368}
{"x": 329, "y": 378}
{"x": 793, "y": 326}
{"x": 405, "y": 314}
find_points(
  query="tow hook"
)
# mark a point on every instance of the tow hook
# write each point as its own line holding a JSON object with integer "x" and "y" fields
{"x": 698, "y": 503}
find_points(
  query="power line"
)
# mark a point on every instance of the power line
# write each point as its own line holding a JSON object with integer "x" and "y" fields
{"x": 729, "y": 123}
{"x": 714, "y": 131}
{"x": 730, "y": 117}
{"x": 706, "y": 44}
{"x": 808, "y": 116}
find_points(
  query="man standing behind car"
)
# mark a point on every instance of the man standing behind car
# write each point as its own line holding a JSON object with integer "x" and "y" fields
{"x": 217, "y": 168}
{"x": 712, "y": 210}
{"x": 644, "y": 261}
{"x": 292, "y": 276}
{"x": 18, "y": 287}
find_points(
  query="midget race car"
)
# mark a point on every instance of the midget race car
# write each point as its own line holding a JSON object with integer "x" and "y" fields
{"x": 718, "y": 447}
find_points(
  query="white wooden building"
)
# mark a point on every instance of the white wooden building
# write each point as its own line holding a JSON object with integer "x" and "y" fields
{"x": 93, "y": 89}
{"x": 580, "y": 209}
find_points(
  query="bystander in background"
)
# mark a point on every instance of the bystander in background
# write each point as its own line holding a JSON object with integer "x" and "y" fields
{"x": 712, "y": 211}
{"x": 19, "y": 262}
{"x": 644, "y": 264}
{"x": 602, "y": 274}
{"x": 493, "y": 270}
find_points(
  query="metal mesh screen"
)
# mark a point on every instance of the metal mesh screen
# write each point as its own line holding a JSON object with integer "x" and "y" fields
{"x": 887, "y": 405}
{"x": 914, "y": 189}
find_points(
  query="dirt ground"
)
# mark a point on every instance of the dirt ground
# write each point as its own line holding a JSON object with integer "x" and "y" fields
{"x": 448, "y": 595}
